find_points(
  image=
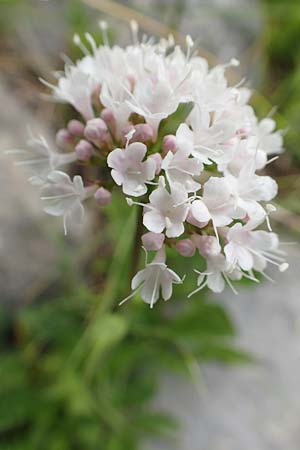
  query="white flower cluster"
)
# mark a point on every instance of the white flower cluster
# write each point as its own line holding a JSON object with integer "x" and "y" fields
{"x": 173, "y": 133}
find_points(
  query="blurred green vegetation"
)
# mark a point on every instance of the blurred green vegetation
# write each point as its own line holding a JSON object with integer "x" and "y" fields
{"x": 281, "y": 60}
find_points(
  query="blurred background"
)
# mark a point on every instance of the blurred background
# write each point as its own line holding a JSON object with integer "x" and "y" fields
{"x": 77, "y": 372}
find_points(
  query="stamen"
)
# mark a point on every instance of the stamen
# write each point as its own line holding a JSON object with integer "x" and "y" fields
{"x": 229, "y": 283}
{"x": 130, "y": 296}
{"x": 272, "y": 160}
{"x": 77, "y": 41}
{"x": 267, "y": 277}
{"x": 154, "y": 292}
{"x": 189, "y": 43}
{"x": 134, "y": 31}
{"x": 198, "y": 289}
{"x": 103, "y": 27}
{"x": 91, "y": 41}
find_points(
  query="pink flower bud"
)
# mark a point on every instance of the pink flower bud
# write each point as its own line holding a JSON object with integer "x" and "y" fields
{"x": 84, "y": 150}
{"x": 143, "y": 133}
{"x": 185, "y": 247}
{"x": 153, "y": 241}
{"x": 96, "y": 131}
{"x": 102, "y": 196}
{"x": 64, "y": 139}
{"x": 76, "y": 128}
{"x": 158, "y": 159}
{"x": 95, "y": 128}
{"x": 207, "y": 245}
{"x": 169, "y": 144}
{"x": 108, "y": 116}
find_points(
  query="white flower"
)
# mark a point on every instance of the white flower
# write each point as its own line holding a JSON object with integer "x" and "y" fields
{"x": 269, "y": 141}
{"x": 218, "y": 272}
{"x": 180, "y": 168}
{"x": 251, "y": 249}
{"x": 243, "y": 152}
{"x": 75, "y": 87}
{"x": 209, "y": 140}
{"x": 166, "y": 210}
{"x": 216, "y": 203}
{"x": 158, "y": 93}
{"x": 248, "y": 189}
{"x": 129, "y": 170}
{"x": 63, "y": 197}
{"x": 41, "y": 159}
{"x": 114, "y": 95}
{"x": 155, "y": 278}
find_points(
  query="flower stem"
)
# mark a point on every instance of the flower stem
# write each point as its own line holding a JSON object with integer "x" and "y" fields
{"x": 136, "y": 244}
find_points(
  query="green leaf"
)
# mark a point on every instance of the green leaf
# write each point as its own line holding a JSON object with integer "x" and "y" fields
{"x": 224, "y": 353}
{"x": 171, "y": 123}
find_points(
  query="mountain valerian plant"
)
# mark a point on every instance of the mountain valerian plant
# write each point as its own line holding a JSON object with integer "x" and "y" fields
{"x": 181, "y": 144}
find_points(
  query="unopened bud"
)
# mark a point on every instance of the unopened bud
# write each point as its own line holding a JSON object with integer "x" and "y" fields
{"x": 153, "y": 241}
{"x": 143, "y": 133}
{"x": 208, "y": 246}
{"x": 64, "y": 139}
{"x": 169, "y": 144}
{"x": 94, "y": 129}
{"x": 158, "y": 160}
{"x": 76, "y": 128}
{"x": 185, "y": 247}
{"x": 84, "y": 150}
{"x": 108, "y": 116}
{"x": 97, "y": 132}
{"x": 102, "y": 196}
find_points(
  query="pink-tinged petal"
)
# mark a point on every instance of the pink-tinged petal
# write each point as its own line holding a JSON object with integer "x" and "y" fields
{"x": 150, "y": 290}
{"x": 174, "y": 277}
{"x": 185, "y": 139}
{"x": 149, "y": 168}
{"x": 118, "y": 177}
{"x": 116, "y": 158}
{"x": 138, "y": 279}
{"x": 135, "y": 152}
{"x": 78, "y": 184}
{"x": 200, "y": 211}
{"x": 264, "y": 240}
{"x": 175, "y": 230}
{"x": 166, "y": 288}
{"x": 159, "y": 197}
{"x": 59, "y": 177}
{"x": 215, "y": 282}
{"x": 154, "y": 221}
{"x": 134, "y": 187}
{"x": 230, "y": 253}
{"x": 221, "y": 220}
{"x": 244, "y": 258}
